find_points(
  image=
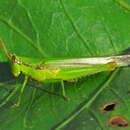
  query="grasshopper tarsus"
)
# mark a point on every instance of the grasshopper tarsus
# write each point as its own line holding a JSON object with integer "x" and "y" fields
{"x": 66, "y": 98}
{"x": 16, "y": 105}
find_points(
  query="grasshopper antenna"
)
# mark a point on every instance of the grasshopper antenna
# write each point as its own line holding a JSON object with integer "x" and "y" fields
{"x": 4, "y": 48}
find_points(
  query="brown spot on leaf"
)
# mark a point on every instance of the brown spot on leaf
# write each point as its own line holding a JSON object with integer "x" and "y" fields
{"x": 118, "y": 121}
{"x": 108, "y": 107}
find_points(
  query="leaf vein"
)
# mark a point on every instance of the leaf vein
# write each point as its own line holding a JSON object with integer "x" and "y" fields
{"x": 13, "y": 27}
{"x": 75, "y": 28}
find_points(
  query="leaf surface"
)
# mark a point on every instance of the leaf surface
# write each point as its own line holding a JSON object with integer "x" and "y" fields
{"x": 64, "y": 28}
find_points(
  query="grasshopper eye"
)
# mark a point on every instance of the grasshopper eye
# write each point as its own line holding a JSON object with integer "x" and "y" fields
{"x": 13, "y": 58}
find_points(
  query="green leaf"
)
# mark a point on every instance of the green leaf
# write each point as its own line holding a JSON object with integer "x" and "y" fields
{"x": 64, "y": 28}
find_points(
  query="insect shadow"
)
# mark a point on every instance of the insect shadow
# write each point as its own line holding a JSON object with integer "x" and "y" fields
{"x": 5, "y": 73}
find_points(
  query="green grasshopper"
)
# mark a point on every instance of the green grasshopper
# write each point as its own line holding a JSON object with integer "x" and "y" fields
{"x": 61, "y": 69}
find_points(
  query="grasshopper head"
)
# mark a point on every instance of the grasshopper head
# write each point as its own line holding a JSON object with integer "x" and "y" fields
{"x": 12, "y": 59}
{"x": 15, "y": 67}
